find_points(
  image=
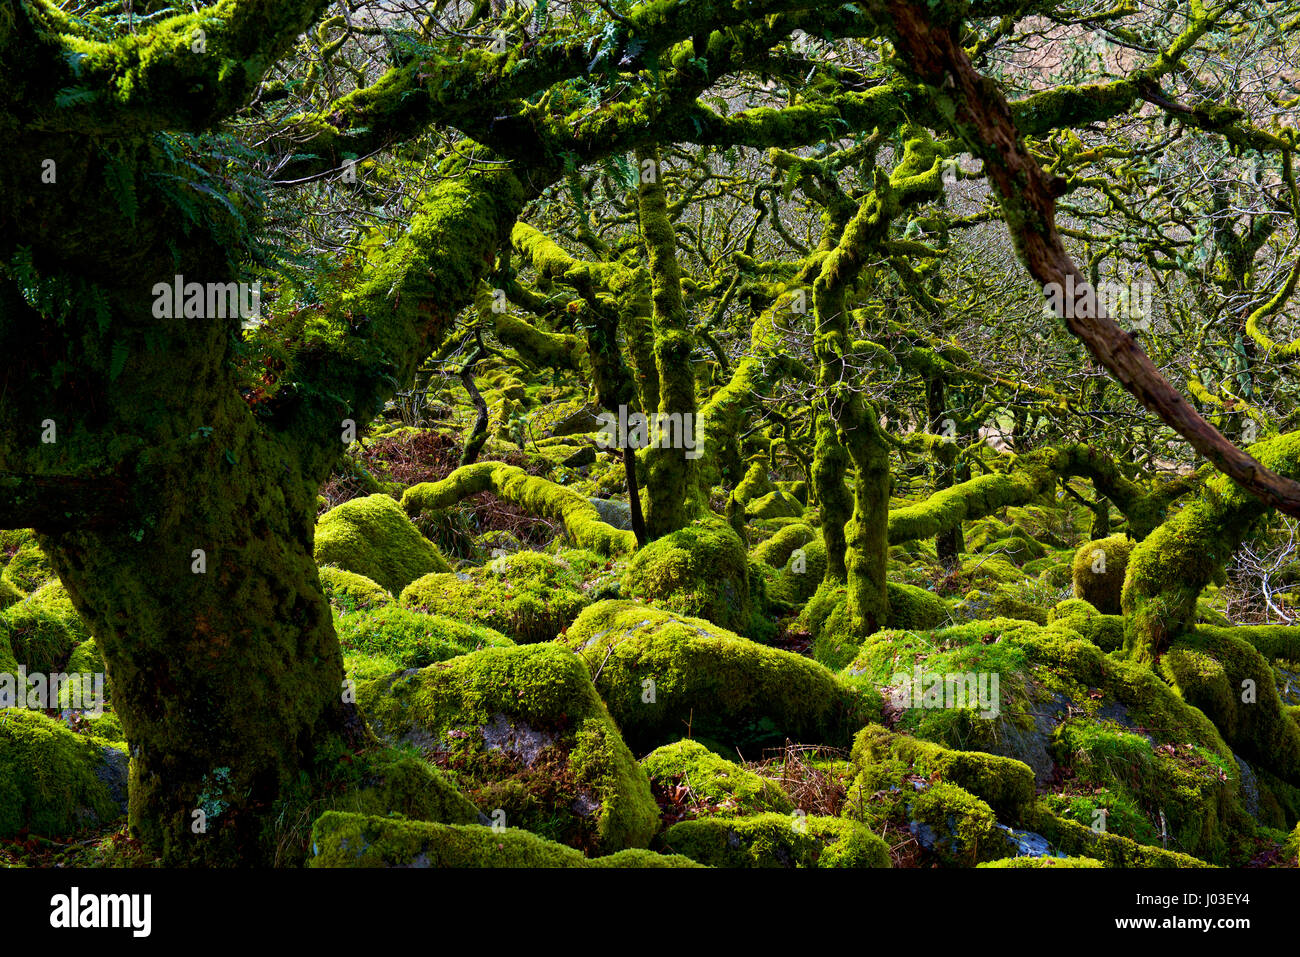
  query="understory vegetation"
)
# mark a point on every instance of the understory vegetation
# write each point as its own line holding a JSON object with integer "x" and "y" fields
{"x": 651, "y": 447}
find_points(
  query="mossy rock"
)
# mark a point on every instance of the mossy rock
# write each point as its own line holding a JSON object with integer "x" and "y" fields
{"x": 724, "y": 785}
{"x": 701, "y": 571}
{"x": 412, "y": 639}
{"x": 391, "y": 782}
{"x": 1104, "y": 631}
{"x": 562, "y": 419}
{"x": 993, "y": 569}
{"x": 373, "y": 537}
{"x": 349, "y": 591}
{"x": 1227, "y": 678}
{"x": 525, "y": 732}
{"x": 1113, "y": 850}
{"x": 1019, "y": 549}
{"x": 754, "y": 485}
{"x": 1098, "y": 572}
{"x": 776, "y": 840}
{"x": 85, "y": 659}
{"x": 802, "y": 573}
{"x": 40, "y": 635}
{"x": 661, "y": 673}
{"x": 1005, "y": 784}
{"x": 527, "y": 596}
{"x": 1047, "y": 861}
{"x": 28, "y": 569}
{"x": 999, "y": 601}
{"x": 835, "y": 643}
{"x": 775, "y": 504}
{"x": 54, "y": 782}
{"x": 776, "y": 550}
{"x": 357, "y": 840}
{"x": 914, "y": 607}
{"x": 9, "y": 595}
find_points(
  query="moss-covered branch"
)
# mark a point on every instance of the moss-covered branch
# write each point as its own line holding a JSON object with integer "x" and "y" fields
{"x": 534, "y": 495}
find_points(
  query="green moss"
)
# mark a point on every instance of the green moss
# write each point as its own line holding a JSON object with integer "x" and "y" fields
{"x": 355, "y": 840}
{"x": 754, "y": 485}
{"x": 1098, "y": 572}
{"x": 525, "y": 731}
{"x": 28, "y": 569}
{"x": 40, "y": 635}
{"x": 776, "y": 550}
{"x": 1006, "y": 785}
{"x": 349, "y": 591}
{"x": 776, "y": 504}
{"x": 392, "y": 782}
{"x": 372, "y": 537}
{"x": 54, "y": 782}
{"x": 1078, "y": 840}
{"x": 662, "y": 674}
{"x": 1104, "y": 631}
{"x": 1229, "y": 680}
{"x": 1044, "y": 861}
{"x": 777, "y": 840}
{"x": 913, "y": 607}
{"x": 700, "y": 571}
{"x": 411, "y": 639}
{"x": 725, "y": 785}
{"x": 528, "y": 596}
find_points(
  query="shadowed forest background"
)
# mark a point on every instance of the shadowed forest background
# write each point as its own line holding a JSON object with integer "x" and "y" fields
{"x": 739, "y": 433}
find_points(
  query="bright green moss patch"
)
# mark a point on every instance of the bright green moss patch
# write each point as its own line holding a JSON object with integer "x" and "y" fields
{"x": 528, "y": 596}
{"x": 372, "y": 536}
{"x": 41, "y": 636}
{"x": 661, "y": 673}
{"x": 700, "y": 571}
{"x": 1098, "y": 572}
{"x": 356, "y": 840}
{"x": 412, "y": 639}
{"x": 526, "y": 733}
{"x": 28, "y": 569}
{"x": 1046, "y": 861}
{"x": 350, "y": 591}
{"x": 1005, "y": 784}
{"x": 54, "y": 782}
{"x": 776, "y": 840}
{"x": 713, "y": 780}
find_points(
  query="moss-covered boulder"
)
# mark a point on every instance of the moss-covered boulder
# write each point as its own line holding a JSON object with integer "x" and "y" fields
{"x": 349, "y": 591}
{"x": 1104, "y": 631}
{"x": 54, "y": 782}
{"x": 1044, "y": 861}
{"x": 524, "y": 732}
{"x": 662, "y": 673}
{"x": 373, "y": 537}
{"x": 713, "y": 782}
{"x": 412, "y": 639}
{"x": 776, "y": 504}
{"x": 1098, "y": 572}
{"x": 357, "y": 840}
{"x": 42, "y": 630}
{"x": 1005, "y": 784}
{"x": 391, "y": 782}
{"x": 27, "y": 569}
{"x": 776, "y": 840}
{"x": 701, "y": 571}
{"x": 527, "y": 596}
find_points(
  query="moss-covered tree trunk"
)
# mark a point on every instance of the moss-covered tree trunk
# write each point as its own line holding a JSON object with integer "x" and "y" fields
{"x": 226, "y": 671}
{"x": 669, "y": 503}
